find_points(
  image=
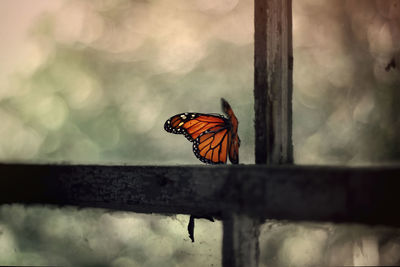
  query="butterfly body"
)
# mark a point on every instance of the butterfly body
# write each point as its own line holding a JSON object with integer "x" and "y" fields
{"x": 214, "y": 136}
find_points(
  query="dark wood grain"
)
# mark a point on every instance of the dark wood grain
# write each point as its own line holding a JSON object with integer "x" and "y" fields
{"x": 273, "y": 72}
{"x": 241, "y": 246}
{"x": 336, "y": 194}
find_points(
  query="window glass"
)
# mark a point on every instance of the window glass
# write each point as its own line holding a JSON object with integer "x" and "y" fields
{"x": 346, "y": 80}
{"x": 48, "y": 236}
{"x": 94, "y": 81}
{"x": 325, "y": 244}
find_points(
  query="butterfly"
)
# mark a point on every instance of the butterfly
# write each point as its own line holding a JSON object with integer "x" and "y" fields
{"x": 214, "y": 136}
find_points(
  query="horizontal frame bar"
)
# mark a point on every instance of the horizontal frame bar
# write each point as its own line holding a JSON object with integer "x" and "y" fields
{"x": 366, "y": 195}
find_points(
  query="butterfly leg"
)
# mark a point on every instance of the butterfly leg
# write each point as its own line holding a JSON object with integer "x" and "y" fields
{"x": 191, "y": 223}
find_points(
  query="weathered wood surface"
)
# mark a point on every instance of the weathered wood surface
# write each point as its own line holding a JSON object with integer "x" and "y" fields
{"x": 273, "y": 72}
{"x": 337, "y": 194}
{"x": 241, "y": 240}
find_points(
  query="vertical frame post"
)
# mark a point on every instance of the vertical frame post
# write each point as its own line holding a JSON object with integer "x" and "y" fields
{"x": 240, "y": 242}
{"x": 273, "y": 82}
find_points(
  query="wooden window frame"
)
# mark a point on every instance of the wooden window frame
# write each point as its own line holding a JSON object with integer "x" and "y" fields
{"x": 243, "y": 196}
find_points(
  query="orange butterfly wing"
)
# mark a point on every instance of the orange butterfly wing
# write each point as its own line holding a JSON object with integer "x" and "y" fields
{"x": 234, "y": 140}
{"x": 212, "y": 146}
{"x": 234, "y": 149}
{"x": 193, "y": 124}
{"x": 214, "y": 137}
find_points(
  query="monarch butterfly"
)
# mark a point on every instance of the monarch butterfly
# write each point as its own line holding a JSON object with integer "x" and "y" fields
{"x": 214, "y": 136}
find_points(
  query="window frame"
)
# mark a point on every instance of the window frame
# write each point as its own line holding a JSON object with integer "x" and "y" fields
{"x": 243, "y": 196}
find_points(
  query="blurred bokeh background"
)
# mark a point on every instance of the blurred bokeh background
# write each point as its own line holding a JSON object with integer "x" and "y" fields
{"x": 94, "y": 81}
{"x": 98, "y": 79}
